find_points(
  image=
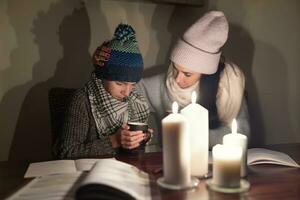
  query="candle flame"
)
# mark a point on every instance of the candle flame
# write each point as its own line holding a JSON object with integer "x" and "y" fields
{"x": 175, "y": 107}
{"x": 234, "y": 126}
{"x": 194, "y": 97}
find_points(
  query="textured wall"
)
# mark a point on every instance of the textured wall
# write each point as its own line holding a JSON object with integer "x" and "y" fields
{"x": 45, "y": 44}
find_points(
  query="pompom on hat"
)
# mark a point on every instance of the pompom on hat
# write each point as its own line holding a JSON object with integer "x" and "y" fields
{"x": 119, "y": 59}
{"x": 199, "y": 47}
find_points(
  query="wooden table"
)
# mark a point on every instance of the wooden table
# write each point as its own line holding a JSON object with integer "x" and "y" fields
{"x": 267, "y": 181}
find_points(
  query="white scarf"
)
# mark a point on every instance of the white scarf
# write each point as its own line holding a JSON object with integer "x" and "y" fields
{"x": 181, "y": 96}
{"x": 230, "y": 93}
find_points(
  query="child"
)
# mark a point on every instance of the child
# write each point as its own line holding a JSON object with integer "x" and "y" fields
{"x": 96, "y": 120}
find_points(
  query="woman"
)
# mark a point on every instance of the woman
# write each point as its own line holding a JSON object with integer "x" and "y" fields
{"x": 196, "y": 66}
{"x": 97, "y": 117}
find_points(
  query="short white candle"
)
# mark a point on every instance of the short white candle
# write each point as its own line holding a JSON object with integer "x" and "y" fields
{"x": 238, "y": 139}
{"x": 197, "y": 117}
{"x": 226, "y": 165}
{"x": 176, "y": 159}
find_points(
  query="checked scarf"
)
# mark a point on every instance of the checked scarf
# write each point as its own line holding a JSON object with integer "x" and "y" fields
{"x": 109, "y": 113}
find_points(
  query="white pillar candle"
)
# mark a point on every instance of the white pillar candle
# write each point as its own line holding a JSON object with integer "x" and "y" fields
{"x": 238, "y": 139}
{"x": 197, "y": 117}
{"x": 226, "y": 165}
{"x": 176, "y": 159}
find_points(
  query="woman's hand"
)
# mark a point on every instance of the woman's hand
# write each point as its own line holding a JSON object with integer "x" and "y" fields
{"x": 96, "y": 56}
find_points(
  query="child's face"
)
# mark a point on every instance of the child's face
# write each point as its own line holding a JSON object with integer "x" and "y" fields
{"x": 117, "y": 89}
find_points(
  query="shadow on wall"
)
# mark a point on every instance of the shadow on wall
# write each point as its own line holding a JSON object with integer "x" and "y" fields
{"x": 181, "y": 18}
{"x": 240, "y": 49}
{"x": 159, "y": 37}
{"x": 272, "y": 78}
{"x": 32, "y": 137}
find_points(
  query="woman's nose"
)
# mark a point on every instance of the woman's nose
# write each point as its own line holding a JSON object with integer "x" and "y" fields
{"x": 179, "y": 78}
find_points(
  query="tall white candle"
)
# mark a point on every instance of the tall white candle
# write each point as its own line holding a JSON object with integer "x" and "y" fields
{"x": 176, "y": 159}
{"x": 226, "y": 165}
{"x": 238, "y": 139}
{"x": 197, "y": 117}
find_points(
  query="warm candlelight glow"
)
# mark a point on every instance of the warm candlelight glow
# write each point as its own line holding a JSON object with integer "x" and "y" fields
{"x": 238, "y": 139}
{"x": 234, "y": 126}
{"x": 197, "y": 117}
{"x": 175, "y": 107}
{"x": 194, "y": 97}
{"x": 227, "y": 165}
{"x": 176, "y": 155}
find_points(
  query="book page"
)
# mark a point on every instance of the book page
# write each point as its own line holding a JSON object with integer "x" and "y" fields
{"x": 266, "y": 156}
{"x": 56, "y": 186}
{"x": 86, "y": 164}
{"x": 50, "y": 167}
{"x": 121, "y": 176}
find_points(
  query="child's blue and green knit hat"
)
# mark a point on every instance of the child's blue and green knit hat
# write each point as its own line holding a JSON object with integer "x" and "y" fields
{"x": 120, "y": 59}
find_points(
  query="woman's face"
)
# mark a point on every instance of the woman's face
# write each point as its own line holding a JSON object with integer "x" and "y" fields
{"x": 118, "y": 89}
{"x": 185, "y": 77}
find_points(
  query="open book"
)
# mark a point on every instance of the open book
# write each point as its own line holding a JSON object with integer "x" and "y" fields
{"x": 107, "y": 179}
{"x": 258, "y": 156}
{"x": 265, "y": 156}
{"x": 59, "y": 167}
{"x": 115, "y": 180}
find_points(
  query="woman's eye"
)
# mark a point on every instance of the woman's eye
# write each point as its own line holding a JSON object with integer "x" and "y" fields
{"x": 119, "y": 83}
{"x": 187, "y": 74}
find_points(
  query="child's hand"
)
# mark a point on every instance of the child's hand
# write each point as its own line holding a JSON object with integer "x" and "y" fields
{"x": 148, "y": 136}
{"x": 131, "y": 139}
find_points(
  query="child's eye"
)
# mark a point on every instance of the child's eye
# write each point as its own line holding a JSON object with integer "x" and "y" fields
{"x": 119, "y": 83}
{"x": 133, "y": 85}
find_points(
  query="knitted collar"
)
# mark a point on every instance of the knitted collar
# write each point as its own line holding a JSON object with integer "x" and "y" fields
{"x": 109, "y": 113}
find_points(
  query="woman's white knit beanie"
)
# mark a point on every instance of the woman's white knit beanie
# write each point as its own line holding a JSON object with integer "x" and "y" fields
{"x": 199, "y": 47}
